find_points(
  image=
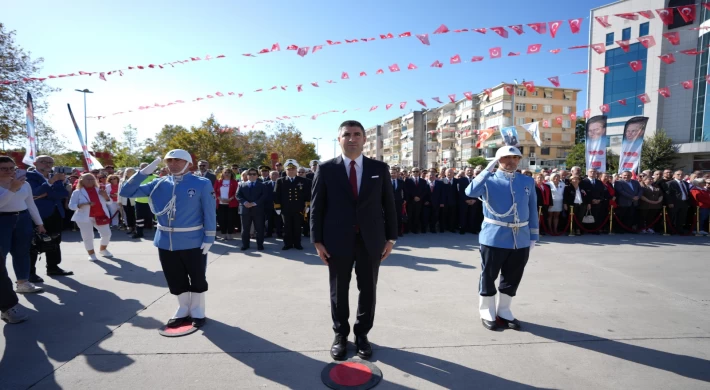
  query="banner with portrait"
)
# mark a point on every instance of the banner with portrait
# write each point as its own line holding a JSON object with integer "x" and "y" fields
{"x": 596, "y": 143}
{"x": 631, "y": 144}
{"x": 510, "y": 136}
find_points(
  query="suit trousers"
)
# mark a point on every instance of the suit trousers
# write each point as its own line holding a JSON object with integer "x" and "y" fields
{"x": 367, "y": 267}
{"x": 53, "y": 225}
{"x": 466, "y": 217}
{"x": 414, "y": 212}
{"x": 627, "y": 216}
{"x": 400, "y": 228}
{"x": 8, "y": 297}
{"x": 273, "y": 223}
{"x": 185, "y": 270}
{"x": 679, "y": 215}
{"x": 447, "y": 218}
{"x": 247, "y": 220}
{"x": 292, "y": 228}
{"x": 509, "y": 263}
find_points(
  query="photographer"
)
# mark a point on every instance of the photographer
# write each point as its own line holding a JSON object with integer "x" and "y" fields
{"x": 49, "y": 194}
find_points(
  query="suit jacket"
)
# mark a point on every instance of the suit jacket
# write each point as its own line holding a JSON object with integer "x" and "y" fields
{"x": 310, "y": 175}
{"x": 233, "y": 185}
{"x": 625, "y": 193}
{"x": 421, "y": 190}
{"x": 55, "y": 194}
{"x": 436, "y": 197}
{"x": 595, "y": 192}
{"x": 399, "y": 194}
{"x": 335, "y": 213}
{"x": 256, "y": 194}
{"x": 269, "y": 200}
{"x": 450, "y": 193}
{"x": 570, "y": 192}
{"x": 674, "y": 194}
{"x": 461, "y": 185}
{"x": 541, "y": 197}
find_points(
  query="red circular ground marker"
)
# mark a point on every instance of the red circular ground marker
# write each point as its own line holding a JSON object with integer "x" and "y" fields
{"x": 182, "y": 330}
{"x": 353, "y": 374}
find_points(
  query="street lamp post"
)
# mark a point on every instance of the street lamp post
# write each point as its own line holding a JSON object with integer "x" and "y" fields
{"x": 317, "y": 149}
{"x": 85, "y": 91}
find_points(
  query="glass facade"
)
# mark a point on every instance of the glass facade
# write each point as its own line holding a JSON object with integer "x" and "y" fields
{"x": 700, "y": 103}
{"x": 626, "y": 34}
{"x": 643, "y": 29}
{"x": 624, "y": 83}
{"x": 610, "y": 39}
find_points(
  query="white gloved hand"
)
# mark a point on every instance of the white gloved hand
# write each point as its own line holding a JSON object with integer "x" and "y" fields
{"x": 492, "y": 165}
{"x": 278, "y": 212}
{"x": 307, "y": 208}
{"x": 151, "y": 167}
{"x": 532, "y": 246}
{"x": 205, "y": 247}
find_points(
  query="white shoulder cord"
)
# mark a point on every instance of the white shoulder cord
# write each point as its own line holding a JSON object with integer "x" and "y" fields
{"x": 169, "y": 207}
{"x": 512, "y": 210}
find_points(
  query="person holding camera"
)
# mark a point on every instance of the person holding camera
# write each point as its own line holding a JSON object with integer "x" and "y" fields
{"x": 17, "y": 212}
{"x": 48, "y": 189}
{"x": 89, "y": 203}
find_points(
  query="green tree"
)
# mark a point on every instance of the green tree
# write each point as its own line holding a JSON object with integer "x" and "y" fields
{"x": 658, "y": 152}
{"x": 69, "y": 159}
{"x": 47, "y": 141}
{"x": 288, "y": 143}
{"x": 580, "y": 131}
{"x": 476, "y": 161}
{"x": 612, "y": 161}
{"x": 16, "y": 64}
{"x": 104, "y": 142}
{"x": 576, "y": 156}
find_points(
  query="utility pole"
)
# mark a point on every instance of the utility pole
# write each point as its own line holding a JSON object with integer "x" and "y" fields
{"x": 86, "y": 136}
{"x": 334, "y": 142}
{"x": 317, "y": 149}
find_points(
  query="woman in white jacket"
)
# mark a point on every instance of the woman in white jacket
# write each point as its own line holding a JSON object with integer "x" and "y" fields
{"x": 91, "y": 211}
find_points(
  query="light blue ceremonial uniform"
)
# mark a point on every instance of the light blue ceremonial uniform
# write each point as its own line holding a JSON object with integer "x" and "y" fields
{"x": 194, "y": 207}
{"x": 495, "y": 189}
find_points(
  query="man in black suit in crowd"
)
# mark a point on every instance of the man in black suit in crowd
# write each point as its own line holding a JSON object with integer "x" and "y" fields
{"x": 272, "y": 221}
{"x": 252, "y": 196}
{"x": 292, "y": 197}
{"x": 678, "y": 200}
{"x": 447, "y": 219}
{"x": 353, "y": 220}
{"x": 435, "y": 205}
{"x": 466, "y": 209}
{"x": 597, "y": 194}
{"x": 399, "y": 196}
{"x": 628, "y": 192}
{"x": 314, "y": 168}
{"x": 417, "y": 194}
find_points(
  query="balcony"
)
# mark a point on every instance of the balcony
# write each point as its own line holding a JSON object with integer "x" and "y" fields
{"x": 448, "y": 135}
{"x": 449, "y": 154}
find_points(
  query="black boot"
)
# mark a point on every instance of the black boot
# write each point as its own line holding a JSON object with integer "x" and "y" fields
{"x": 339, "y": 348}
{"x": 364, "y": 349}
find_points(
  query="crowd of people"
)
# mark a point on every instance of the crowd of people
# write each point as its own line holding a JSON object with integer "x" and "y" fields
{"x": 263, "y": 202}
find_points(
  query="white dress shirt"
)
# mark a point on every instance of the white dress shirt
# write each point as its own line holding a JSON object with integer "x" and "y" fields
{"x": 577, "y": 197}
{"x": 358, "y": 169}
{"x": 21, "y": 200}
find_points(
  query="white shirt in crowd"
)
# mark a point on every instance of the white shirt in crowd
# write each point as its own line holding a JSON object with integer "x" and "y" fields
{"x": 557, "y": 190}
{"x": 578, "y": 197}
{"x": 224, "y": 190}
{"x": 21, "y": 200}
{"x": 358, "y": 169}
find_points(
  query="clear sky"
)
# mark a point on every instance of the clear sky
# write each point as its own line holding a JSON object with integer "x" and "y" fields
{"x": 101, "y": 35}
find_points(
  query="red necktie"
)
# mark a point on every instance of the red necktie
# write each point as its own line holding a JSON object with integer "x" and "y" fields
{"x": 353, "y": 179}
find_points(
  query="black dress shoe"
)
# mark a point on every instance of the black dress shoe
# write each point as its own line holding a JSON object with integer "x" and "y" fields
{"x": 286, "y": 247}
{"x": 299, "y": 247}
{"x": 58, "y": 272}
{"x": 364, "y": 349}
{"x": 177, "y": 322}
{"x": 339, "y": 348}
{"x": 514, "y": 324}
{"x": 244, "y": 248}
{"x": 198, "y": 322}
{"x": 35, "y": 279}
{"x": 136, "y": 235}
{"x": 260, "y": 247}
{"x": 490, "y": 325}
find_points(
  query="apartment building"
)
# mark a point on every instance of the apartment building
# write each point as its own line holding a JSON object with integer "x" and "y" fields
{"x": 373, "y": 144}
{"x": 391, "y": 132}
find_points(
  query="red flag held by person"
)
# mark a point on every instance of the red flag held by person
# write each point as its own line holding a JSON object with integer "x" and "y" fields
{"x": 666, "y": 15}
{"x": 500, "y": 31}
{"x": 534, "y": 48}
{"x": 575, "y": 25}
{"x": 672, "y": 37}
{"x": 554, "y": 26}
{"x": 495, "y": 52}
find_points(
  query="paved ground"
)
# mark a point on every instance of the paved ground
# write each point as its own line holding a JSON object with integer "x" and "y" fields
{"x": 599, "y": 312}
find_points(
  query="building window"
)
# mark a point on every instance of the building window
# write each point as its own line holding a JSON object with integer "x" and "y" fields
{"x": 566, "y": 110}
{"x": 548, "y": 94}
{"x": 533, "y": 106}
{"x": 677, "y": 19}
{"x": 547, "y": 109}
{"x": 519, "y": 121}
{"x": 643, "y": 29}
{"x": 522, "y": 150}
{"x": 566, "y": 137}
{"x": 521, "y": 92}
{"x": 566, "y": 124}
{"x": 567, "y": 95}
{"x": 624, "y": 82}
{"x": 534, "y": 93}
{"x": 610, "y": 39}
{"x": 626, "y": 34}
{"x": 547, "y": 136}
{"x": 532, "y": 150}
{"x": 519, "y": 106}
{"x": 545, "y": 151}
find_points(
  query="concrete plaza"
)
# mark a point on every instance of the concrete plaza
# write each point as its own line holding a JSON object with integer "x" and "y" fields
{"x": 598, "y": 312}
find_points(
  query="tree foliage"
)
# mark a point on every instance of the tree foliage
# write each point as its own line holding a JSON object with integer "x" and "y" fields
{"x": 580, "y": 133}
{"x": 287, "y": 142}
{"x": 658, "y": 152}
{"x": 476, "y": 161}
{"x": 16, "y": 64}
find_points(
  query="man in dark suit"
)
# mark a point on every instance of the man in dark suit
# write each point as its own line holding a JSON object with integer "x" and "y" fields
{"x": 273, "y": 221}
{"x": 292, "y": 197}
{"x": 353, "y": 221}
{"x": 435, "y": 205}
{"x": 203, "y": 170}
{"x": 306, "y": 216}
{"x": 417, "y": 194}
{"x": 252, "y": 196}
{"x": 279, "y": 169}
{"x": 49, "y": 194}
{"x": 596, "y": 194}
{"x": 447, "y": 219}
{"x": 678, "y": 201}
{"x": 628, "y": 192}
{"x": 314, "y": 168}
{"x": 466, "y": 209}
{"x": 399, "y": 196}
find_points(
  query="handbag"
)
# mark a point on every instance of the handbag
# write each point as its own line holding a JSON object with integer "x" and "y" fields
{"x": 589, "y": 218}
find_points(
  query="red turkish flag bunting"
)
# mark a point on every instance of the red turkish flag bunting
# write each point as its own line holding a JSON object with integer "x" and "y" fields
{"x": 452, "y": 97}
{"x": 687, "y": 12}
{"x": 402, "y": 105}
{"x": 495, "y": 52}
{"x": 578, "y": 47}
{"x": 540, "y": 28}
{"x": 534, "y": 48}
{"x": 292, "y": 47}
{"x": 604, "y": 108}
{"x": 283, "y": 87}
{"x": 102, "y": 76}
{"x": 476, "y": 58}
{"x": 468, "y": 95}
{"x": 554, "y": 26}
{"x": 644, "y": 98}
{"x": 636, "y": 65}
{"x": 667, "y": 58}
{"x": 272, "y": 88}
{"x": 380, "y": 71}
{"x": 603, "y": 20}
{"x": 373, "y": 108}
{"x": 245, "y": 55}
{"x": 275, "y": 47}
{"x": 628, "y": 16}
{"x": 344, "y": 76}
{"x": 388, "y": 36}
{"x": 622, "y": 102}
{"x": 263, "y": 51}
{"x": 437, "y": 64}
{"x": 672, "y": 37}
{"x": 436, "y": 99}
{"x": 394, "y": 68}
{"x": 647, "y": 14}
{"x": 330, "y": 82}
{"x": 480, "y": 30}
{"x": 351, "y": 40}
{"x": 666, "y": 15}
{"x": 315, "y": 84}
{"x": 555, "y": 51}
{"x": 687, "y": 84}
{"x": 441, "y": 30}
{"x": 510, "y": 89}
{"x": 587, "y": 113}
{"x": 518, "y": 28}
{"x": 511, "y": 54}
{"x": 575, "y": 25}
{"x": 555, "y": 80}
{"x": 582, "y": 72}
{"x": 302, "y": 51}
{"x": 600, "y": 48}
{"x": 411, "y": 66}
{"x": 421, "y": 101}
{"x": 363, "y": 74}
{"x": 424, "y": 38}
{"x": 316, "y": 48}
{"x": 529, "y": 85}
{"x": 387, "y": 107}
{"x": 573, "y": 116}
{"x": 258, "y": 90}
{"x": 488, "y": 91}
{"x": 665, "y": 92}
{"x": 220, "y": 94}
{"x": 647, "y": 41}
{"x": 707, "y": 79}
{"x": 500, "y": 31}
{"x": 604, "y": 70}
{"x": 692, "y": 52}
{"x": 624, "y": 45}
{"x": 334, "y": 42}
{"x": 545, "y": 123}
{"x": 405, "y": 34}
{"x": 455, "y": 59}
{"x": 558, "y": 120}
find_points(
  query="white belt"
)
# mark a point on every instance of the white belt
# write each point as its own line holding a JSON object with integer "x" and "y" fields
{"x": 179, "y": 229}
{"x": 505, "y": 224}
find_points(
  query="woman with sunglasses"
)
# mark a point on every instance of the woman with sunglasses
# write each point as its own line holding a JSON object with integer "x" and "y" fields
{"x": 89, "y": 203}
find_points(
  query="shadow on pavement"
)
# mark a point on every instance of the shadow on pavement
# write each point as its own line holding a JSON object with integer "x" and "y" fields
{"x": 687, "y": 366}
{"x": 129, "y": 272}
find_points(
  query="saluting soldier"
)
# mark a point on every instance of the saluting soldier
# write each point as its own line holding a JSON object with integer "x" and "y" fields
{"x": 292, "y": 199}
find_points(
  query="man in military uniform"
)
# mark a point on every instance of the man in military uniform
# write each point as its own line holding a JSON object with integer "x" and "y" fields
{"x": 510, "y": 229}
{"x": 185, "y": 207}
{"x": 292, "y": 199}
{"x": 265, "y": 170}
